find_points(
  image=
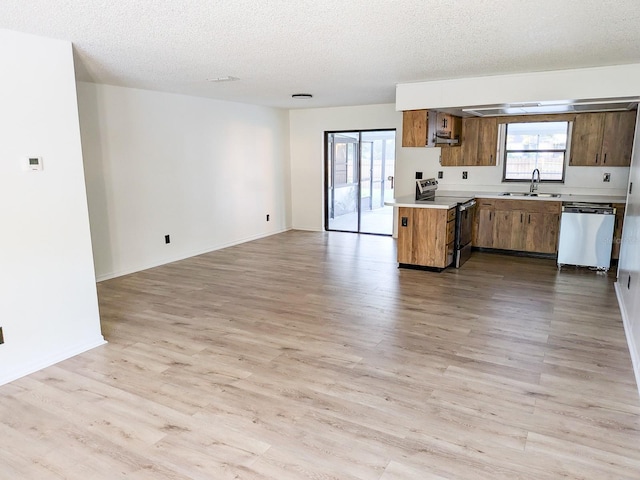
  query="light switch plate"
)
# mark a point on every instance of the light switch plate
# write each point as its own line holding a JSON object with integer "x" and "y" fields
{"x": 606, "y": 177}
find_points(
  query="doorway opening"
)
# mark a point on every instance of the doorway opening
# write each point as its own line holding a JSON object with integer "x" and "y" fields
{"x": 360, "y": 169}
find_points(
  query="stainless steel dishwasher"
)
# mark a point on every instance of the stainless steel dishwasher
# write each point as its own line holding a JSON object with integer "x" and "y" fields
{"x": 586, "y": 235}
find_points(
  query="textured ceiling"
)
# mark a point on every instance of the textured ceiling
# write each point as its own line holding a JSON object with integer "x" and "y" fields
{"x": 344, "y": 52}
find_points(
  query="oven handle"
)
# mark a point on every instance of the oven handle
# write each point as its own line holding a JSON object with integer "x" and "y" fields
{"x": 467, "y": 205}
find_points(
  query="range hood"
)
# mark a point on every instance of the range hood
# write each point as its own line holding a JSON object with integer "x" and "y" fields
{"x": 568, "y": 106}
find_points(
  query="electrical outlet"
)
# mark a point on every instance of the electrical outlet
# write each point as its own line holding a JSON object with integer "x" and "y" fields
{"x": 1, "y": 336}
{"x": 267, "y": 217}
{"x": 167, "y": 239}
{"x": 606, "y": 177}
{"x": 440, "y": 174}
{"x": 418, "y": 175}
{"x": 464, "y": 175}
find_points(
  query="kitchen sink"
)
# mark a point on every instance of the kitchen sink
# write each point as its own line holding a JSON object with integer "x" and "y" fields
{"x": 527, "y": 194}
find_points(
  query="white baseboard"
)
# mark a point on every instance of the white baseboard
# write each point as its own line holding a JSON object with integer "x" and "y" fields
{"x": 40, "y": 363}
{"x": 200, "y": 251}
{"x": 633, "y": 349}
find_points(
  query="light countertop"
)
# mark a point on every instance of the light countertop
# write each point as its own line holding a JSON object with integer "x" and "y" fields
{"x": 449, "y": 199}
{"x": 444, "y": 202}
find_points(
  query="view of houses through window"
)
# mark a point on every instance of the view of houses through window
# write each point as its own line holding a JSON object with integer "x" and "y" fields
{"x": 541, "y": 145}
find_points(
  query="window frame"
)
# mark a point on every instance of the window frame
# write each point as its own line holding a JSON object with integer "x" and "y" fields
{"x": 502, "y": 144}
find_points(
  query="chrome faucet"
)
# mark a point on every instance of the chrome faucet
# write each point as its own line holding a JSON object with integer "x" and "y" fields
{"x": 534, "y": 185}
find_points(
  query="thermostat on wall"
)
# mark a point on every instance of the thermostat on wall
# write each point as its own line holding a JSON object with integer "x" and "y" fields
{"x": 34, "y": 163}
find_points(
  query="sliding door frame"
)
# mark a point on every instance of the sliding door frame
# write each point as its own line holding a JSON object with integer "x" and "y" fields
{"x": 328, "y": 170}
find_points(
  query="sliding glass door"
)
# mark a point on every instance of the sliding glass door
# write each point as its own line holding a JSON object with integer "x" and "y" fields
{"x": 359, "y": 178}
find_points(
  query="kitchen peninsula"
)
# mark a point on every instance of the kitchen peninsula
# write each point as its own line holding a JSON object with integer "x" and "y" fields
{"x": 504, "y": 221}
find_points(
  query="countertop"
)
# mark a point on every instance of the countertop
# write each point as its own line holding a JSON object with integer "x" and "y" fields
{"x": 444, "y": 202}
{"x": 449, "y": 199}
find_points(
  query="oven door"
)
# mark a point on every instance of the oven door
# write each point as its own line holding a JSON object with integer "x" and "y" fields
{"x": 466, "y": 215}
{"x": 465, "y": 219}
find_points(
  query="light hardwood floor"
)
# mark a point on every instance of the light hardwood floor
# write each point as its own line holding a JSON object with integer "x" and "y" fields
{"x": 312, "y": 356}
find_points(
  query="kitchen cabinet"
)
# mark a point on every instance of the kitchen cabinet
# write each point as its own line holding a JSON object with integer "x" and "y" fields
{"x": 415, "y": 128}
{"x": 603, "y": 139}
{"x": 484, "y": 225}
{"x": 617, "y": 230}
{"x": 478, "y": 144}
{"x": 450, "y": 156}
{"x": 520, "y": 225}
{"x": 422, "y": 128}
{"x": 426, "y": 236}
{"x": 444, "y": 127}
{"x": 479, "y": 141}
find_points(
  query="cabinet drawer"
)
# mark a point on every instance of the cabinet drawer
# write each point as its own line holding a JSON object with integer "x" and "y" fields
{"x": 451, "y": 214}
{"x": 451, "y": 231}
{"x": 450, "y": 250}
{"x": 486, "y": 202}
{"x": 530, "y": 206}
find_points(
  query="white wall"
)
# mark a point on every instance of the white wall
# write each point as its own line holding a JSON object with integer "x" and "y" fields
{"x": 307, "y": 127}
{"x": 575, "y": 84}
{"x": 48, "y": 306}
{"x": 205, "y": 172}
{"x": 628, "y": 285}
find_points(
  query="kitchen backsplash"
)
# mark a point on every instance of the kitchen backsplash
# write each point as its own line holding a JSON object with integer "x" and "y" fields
{"x": 578, "y": 180}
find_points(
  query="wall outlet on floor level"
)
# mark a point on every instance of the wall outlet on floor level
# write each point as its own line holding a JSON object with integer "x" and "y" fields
{"x": 167, "y": 239}
{"x": 606, "y": 177}
{"x": 267, "y": 217}
{"x": 464, "y": 175}
{"x": 440, "y": 174}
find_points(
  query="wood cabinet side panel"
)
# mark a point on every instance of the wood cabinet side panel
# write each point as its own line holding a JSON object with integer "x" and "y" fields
{"x": 430, "y": 237}
{"x": 405, "y": 235}
{"x": 617, "y": 232}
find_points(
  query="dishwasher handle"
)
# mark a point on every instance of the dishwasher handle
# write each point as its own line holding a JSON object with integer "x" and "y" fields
{"x": 590, "y": 210}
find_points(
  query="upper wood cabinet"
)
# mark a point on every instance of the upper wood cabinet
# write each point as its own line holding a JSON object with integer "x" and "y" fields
{"x": 444, "y": 126}
{"x": 603, "y": 139}
{"x": 431, "y": 128}
{"x": 479, "y": 141}
{"x": 414, "y": 128}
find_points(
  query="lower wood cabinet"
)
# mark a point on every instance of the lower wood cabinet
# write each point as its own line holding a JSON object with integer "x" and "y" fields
{"x": 426, "y": 236}
{"x": 522, "y": 225}
{"x": 617, "y": 231}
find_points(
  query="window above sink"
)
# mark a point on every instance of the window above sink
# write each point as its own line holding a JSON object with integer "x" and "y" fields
{"x": 534, "y": 145}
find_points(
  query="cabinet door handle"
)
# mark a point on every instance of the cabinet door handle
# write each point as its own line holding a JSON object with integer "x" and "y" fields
{"x": 605, "y": 158}
{"x": 596, "y": 158}
{"x": 490, "y": 215}
{"x": 405, "y": 221}
{"x": 529, "y": 219}
{"x": 521, "y": 218}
